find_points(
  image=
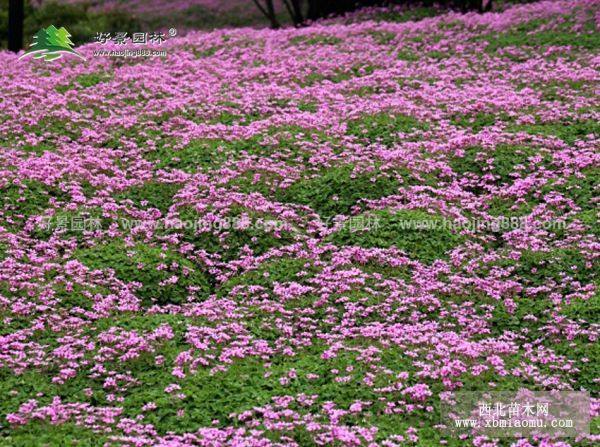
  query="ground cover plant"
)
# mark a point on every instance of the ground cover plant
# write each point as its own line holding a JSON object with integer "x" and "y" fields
{"x": 301, "y": 237}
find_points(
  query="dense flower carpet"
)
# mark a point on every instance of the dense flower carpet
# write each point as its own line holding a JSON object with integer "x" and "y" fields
{"x": 301, "y": 237}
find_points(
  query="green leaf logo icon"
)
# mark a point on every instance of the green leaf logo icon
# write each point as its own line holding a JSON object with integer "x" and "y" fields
{"x": 51, "y": 44}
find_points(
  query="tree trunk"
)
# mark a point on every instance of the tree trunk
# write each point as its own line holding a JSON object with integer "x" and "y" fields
{"x": 269, "y": 12}
{"x": 15, "y": 25}
{"x": 294, "y": 8}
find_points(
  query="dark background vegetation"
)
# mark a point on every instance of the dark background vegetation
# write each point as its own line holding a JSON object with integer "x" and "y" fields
{"x": 302, "y": 10}
{"x": 83, "y": 20}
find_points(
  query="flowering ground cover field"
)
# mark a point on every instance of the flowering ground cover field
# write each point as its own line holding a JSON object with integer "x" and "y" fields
{"x": 300, "y": 237}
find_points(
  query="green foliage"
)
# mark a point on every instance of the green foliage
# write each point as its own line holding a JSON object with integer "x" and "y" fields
{"x": 210, "y": 154}
{"x": 507, "y": 157}
{"x": 541, "y": 308}
{"x": 30, "y": 199}
{"x": 438, "y": 55}
{"x": 336, "y": 76}
{"x": 559, "y": 90}
{"x": 522, "y": 35}
{"x": 311, "y": 107}
{"x": 72, "y": 223}
{"x": 74, "y": 299}
{"x": 209, "y": 397}
{"x": 91, "y": 79}
{"x": 384, "y": 127}
{"x": 208, "y": 52}
{"x": 79, "y": 19}
{"x": 229, "y": 118}
{"x": 569, "y": 132}
{"x": 39, "y": 148}
{"x": 501, "y": 161}
{"x": 590, "y": 219}
{"x": 421, "y": 235}
{"x": 589, "y": 370}
{"x": 407, "y": 55}
{"x": 315, "y": 39}
{"x": 266, "y": 185}
{"x": 201, "y": 153}
{"x": 227, "y": 238}
{"x": 502, "y": 320}
{"x": 280, "y": 271}
{"x": 157, "y": 195}
{"x": 476, "y": 122}
{"x": 50, "y": 129}
{"x": 47, "y": 434}
{"x": 244, "y": 386}
{"x": 56, "y": 128}
{"x": 582, "y": 190}
{"x": 508, "y": 382}
{"x": 337, "y": 190}
{"x": 538, "y": 268}
{"x": 587, "y": 310}
{"x": 382, "y": 37}
{"x": 17, "y": 389}
{"x": 147, "y": 322}
{"x": 473, "y": 161}
{"x": 506, "y": 207}
{"x": 142, "y": 266}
